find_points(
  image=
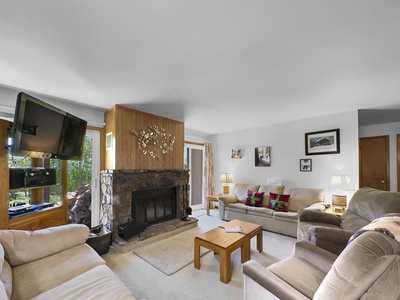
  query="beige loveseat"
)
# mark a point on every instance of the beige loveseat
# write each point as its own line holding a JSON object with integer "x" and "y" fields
{"x": 233, "y": 206}
{"x": 55, "y": 263}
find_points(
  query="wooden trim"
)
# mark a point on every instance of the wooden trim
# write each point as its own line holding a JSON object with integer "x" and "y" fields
{"x": 398, "y": 162}
{"x": 102, "y": 145}
{"x": 4, "y": 183}
{"x": 64, "y": 189}
{"x": 194, "y": 143}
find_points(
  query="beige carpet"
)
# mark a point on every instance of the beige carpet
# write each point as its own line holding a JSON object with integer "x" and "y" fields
{"x": 147, "y": 282}
{"x": 172, "y": 254}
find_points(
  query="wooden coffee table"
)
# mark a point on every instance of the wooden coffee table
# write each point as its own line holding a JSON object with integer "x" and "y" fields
{"x": 224, "y": 244}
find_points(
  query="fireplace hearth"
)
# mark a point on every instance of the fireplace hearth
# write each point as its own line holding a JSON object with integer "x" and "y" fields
{"x": 149, "y": 196}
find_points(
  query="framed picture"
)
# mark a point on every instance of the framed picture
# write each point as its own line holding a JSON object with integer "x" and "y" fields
{"x": 323, "y": 142}
{"x": 236, "y": 153}
{"x": 263, "y": 157}
{"x": 305, "y": 165}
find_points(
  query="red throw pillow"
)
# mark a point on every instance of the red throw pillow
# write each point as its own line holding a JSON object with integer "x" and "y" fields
{"x": 278, "y": 202}
{"x": 254, "y": 198}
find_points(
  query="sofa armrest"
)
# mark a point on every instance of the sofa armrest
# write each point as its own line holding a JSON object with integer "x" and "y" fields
{"x": 226, "y": 199}
{"x": 22, "y": 246}
{"x": 331, "y": 239}
{"x": 309, "y": 215}
{"x": 316, "y": 206}
{"x": 316, "y": 256}
{"x": 270, "y": 281}
{"x": 336, "y": 235}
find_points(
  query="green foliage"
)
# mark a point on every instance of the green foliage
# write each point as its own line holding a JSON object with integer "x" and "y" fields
{"x": 79, "y": 174}
{"x": 80, "y": 171}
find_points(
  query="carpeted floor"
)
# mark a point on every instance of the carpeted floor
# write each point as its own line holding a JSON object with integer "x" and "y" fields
{"x": 147, "y": 282}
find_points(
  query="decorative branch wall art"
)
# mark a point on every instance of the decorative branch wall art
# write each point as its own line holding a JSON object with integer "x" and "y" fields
{"x": 154, "y": 141}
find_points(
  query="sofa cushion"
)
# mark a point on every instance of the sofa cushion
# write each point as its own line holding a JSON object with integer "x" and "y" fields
{"x": 277, "y": 189}
{"x": 240, "y": 190}
{"x": 296, "y": 272}
{"x": 371, "y": 204}
{"x": 254, "y": 198}
{"x": 260, "y": 211}
{"x": 290, "y": 216}
{"x": 5, "y": 275}
{"x": 303, "y": 197}
{"x": 41, "y": 275}
{"x": 22, "y": 246}
{"x": 278, "y": 202}
{"x": 3, "y": 294}
{"x": 352, "y": 222}
{"x": 369, "y": 268}
{"x": 238, "y": 207}
{"x": 97, "y": 283}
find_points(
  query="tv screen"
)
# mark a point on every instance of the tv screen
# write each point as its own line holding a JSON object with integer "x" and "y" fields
{"x": 42, "y": 130}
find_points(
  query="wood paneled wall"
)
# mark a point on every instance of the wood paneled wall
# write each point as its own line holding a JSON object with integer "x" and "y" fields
{"x": 4, "y": 183}
{"x": 125, "y": 153}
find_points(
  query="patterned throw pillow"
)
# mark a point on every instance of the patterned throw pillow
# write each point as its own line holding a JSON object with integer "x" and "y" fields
{"x": 278, "y": 202}
{"x": 254, "y": 198}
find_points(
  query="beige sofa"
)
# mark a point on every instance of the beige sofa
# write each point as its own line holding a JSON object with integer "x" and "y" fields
{"x": 233, "y": 206}
{"x": 368, "y": 268}
{"x": 55, "y": 263}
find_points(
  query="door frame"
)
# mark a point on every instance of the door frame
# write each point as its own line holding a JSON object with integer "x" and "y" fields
{"x": 198, "y": 146}
{"x": 398, "y": 161}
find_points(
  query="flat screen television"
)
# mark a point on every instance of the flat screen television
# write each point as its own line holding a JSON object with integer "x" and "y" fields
{"x": 43, "y": 131}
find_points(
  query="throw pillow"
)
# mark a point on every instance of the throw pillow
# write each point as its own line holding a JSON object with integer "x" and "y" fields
{"x": 254, "y": 198}
{"x": 278, "y": 202}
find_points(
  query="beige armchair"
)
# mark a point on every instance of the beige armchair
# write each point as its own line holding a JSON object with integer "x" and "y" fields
{"x": 368, "y": 268}
{"x": 332, "y": 233}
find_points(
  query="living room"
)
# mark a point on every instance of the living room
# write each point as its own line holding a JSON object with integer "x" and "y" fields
{"x": 339, "y": 62}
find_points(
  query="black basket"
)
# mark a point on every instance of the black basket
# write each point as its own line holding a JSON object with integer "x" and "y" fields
{"x": 100, "y": 239}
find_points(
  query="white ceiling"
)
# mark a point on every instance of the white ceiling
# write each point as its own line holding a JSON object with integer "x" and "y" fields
{"x": 218, "y": 65}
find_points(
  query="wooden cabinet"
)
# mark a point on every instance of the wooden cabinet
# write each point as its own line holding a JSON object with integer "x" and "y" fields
{"x": 48, "y": 217}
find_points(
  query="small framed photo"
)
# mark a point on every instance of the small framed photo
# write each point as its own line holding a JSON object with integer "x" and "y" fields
{"x": 305, "y": 165}
{"x": 236, "y": 153}
{"x": 323, "y": 142}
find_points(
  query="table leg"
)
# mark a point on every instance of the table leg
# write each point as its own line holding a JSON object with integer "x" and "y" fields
{"x": 196, "y": 253}
{"x": 225, "y": 266}
{"x": 260, "y": 241}
{"x": 208, "y": 206}
{"x": 245, "y": 250}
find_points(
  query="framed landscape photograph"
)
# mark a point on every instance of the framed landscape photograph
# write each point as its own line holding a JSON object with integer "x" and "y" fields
{"x": 323, "y": 142}
{"x": 305, "y": 165}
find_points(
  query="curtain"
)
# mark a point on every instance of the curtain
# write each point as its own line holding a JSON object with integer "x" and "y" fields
{"x": 208, "y": 177}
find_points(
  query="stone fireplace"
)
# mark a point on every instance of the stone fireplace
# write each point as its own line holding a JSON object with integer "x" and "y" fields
{"x": 151, "y": 196}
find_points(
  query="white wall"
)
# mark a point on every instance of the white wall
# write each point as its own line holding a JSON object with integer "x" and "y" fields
{"x": 390, "y": 129}
{"x": 287, "y": 141}
{"x": 94, "y": 116}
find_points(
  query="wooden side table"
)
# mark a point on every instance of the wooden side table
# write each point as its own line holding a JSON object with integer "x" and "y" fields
{"x": 330, "y": 210}
{"x": 212, "y": 198}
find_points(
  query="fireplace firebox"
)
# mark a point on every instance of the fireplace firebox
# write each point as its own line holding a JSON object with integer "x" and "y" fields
{"x": 154, "y": 206}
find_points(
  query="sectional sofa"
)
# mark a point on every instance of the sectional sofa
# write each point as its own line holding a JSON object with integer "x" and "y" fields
{"x": 278, "y": 214}
{"x": 55, "y": 263}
